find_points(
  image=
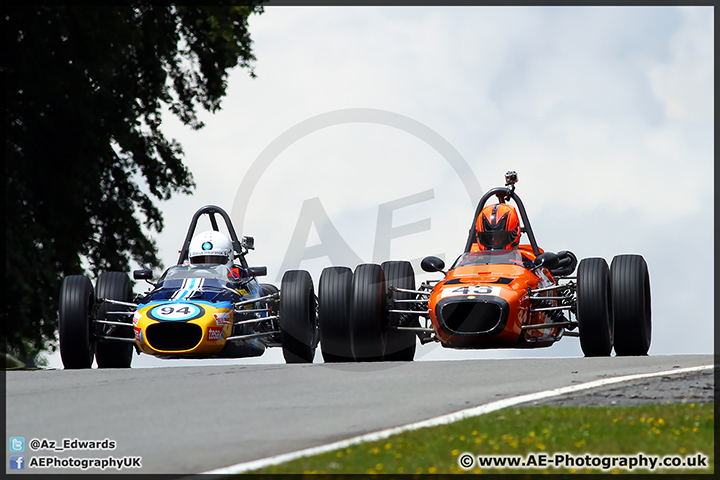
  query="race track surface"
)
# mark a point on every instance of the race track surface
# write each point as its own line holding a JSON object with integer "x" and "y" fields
{"x": 186, "y": 420}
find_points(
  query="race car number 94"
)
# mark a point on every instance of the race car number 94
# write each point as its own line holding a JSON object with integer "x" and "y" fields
{"x": 181, "y": 311}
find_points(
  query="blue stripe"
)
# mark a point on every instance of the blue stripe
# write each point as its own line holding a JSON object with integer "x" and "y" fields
{"x": 189, "y": 289}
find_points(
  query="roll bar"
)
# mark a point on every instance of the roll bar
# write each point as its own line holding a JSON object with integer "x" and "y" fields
{"x": 503, "y": 194}
{"x": 241, "y": 248}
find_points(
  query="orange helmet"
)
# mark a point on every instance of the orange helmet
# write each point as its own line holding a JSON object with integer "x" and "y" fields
{"x": 497, "y": 228}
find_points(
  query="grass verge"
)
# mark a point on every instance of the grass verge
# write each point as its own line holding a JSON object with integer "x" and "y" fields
{"x": 584, "y": 436}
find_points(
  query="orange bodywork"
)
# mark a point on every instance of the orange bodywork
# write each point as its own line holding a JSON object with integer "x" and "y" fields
{"x": 484, "y": 306}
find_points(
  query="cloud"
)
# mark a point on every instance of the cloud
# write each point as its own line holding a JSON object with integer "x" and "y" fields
{"x": 685, "y": 82}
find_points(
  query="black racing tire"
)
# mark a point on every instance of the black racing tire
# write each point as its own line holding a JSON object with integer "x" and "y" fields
{"x": 367, "y": 313}
{"x": 334, "y": 291}
{"x": 400, "y": 346}
{"x": 298, "y": 322}
{"x": 113, "y": 354}
{"x": 77, "y": 344}
{"x": 269, "y": 289}
{"x": 594, "y": 312}
{"x": 631, "y": 305}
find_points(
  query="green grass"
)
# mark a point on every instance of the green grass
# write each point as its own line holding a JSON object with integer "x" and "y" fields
{"x": 660, "y": 430}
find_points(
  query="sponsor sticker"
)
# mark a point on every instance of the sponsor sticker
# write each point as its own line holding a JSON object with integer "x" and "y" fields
{"x": 222, "y": 318}
{"x": 215, "y": 333}
{"x": 138, "y": 334}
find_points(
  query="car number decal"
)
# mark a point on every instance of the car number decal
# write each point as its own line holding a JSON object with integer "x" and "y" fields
{"x": 176, "y": 312}
{"x": 470, "y": 290}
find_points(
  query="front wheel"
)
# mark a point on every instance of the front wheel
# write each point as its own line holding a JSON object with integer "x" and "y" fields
{"x": 593, "y": 307}
{"x": 77, "y": 345}
{"x": 631, "y": 304}
{"x": 298, "y": 325}
{"x": 108, "y": 353}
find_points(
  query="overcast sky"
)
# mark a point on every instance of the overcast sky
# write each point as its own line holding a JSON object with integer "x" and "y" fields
{"x": 362, "y": 119}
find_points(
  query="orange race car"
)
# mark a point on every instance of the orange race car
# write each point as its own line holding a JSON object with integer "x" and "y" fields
{"x": 497, "y": 294}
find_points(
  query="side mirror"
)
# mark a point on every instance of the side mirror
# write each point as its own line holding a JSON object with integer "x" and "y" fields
{"x": 566, "y": 265}
{"x": 257, "y": 271}
{"x": 142, "y": 274}
{"x": 432, "y": 264}
{"x": 547, "y": 260}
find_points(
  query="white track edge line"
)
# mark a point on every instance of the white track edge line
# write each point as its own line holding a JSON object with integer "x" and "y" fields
{"x": 441, "y": 420}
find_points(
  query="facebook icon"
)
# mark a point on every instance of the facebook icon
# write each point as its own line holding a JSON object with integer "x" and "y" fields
{"x": 17, "y": 462}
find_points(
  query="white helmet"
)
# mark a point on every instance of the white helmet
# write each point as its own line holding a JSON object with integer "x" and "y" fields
{"x": 210, "y": 247}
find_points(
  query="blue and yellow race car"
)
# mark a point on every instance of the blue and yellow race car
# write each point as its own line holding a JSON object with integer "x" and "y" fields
{"x": 210, "y": 304}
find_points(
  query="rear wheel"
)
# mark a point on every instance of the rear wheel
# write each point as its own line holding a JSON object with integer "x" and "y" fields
{"x": 367, "y": 313}
{"x": 269, "y": 289}
{"x": 631, "y": 304}
{"x": 594, "y": 313}
{"x": 400, "y": 345}
{"x": 334, "y": 292}
{"x": 74, "y": 323}
{"x": 298, "y": 326}
{"x": 108, "y": 353}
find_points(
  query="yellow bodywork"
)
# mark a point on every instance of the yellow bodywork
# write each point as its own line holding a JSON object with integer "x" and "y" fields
{"x": 172, "y": 320}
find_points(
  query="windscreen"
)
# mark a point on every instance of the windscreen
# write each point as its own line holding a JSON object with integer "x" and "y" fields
{"x": 220, "y": 272}
{"x": 512, "y": 257}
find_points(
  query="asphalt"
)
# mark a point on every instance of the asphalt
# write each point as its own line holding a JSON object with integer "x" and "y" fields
{"x": 698, "y": 388}
{"x": 184, "y": 420}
